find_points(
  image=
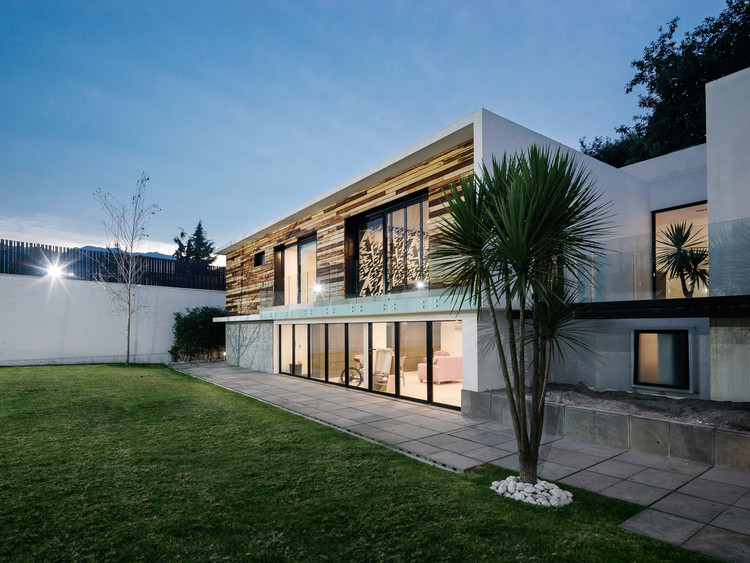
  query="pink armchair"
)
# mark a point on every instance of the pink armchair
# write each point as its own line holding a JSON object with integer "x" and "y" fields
{"x": 444, "y": 368}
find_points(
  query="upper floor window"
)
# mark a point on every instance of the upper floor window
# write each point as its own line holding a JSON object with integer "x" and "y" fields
{"x": 294, "y": 272}
{"x": 392, "y": 249}
{"x": 681, "y": 252}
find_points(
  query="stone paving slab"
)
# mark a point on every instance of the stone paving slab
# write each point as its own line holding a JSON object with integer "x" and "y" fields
{"x": 590, "y": 481}
{"x": 728, "y": 476}
{"x": 693, "y": 508}
{"x": 451, "y": 459}
{"x": 659, "y": 478}
{"x": 637, "y": 493}
{"x": 720, "y": 543}
{"x": 713, "y": 490}
{"x": 692, "y": 468}
{"x": 735, "y": 519}
{"x": 485, "y": 454}
{"x": 615, "y": 468}
{"x": 744, "y": 501}
{"x": 690, "y": 503}
{"x": 567, "y": 457}
{"x": 662, "y": 526}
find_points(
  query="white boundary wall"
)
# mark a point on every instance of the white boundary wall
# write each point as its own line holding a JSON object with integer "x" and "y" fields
{"x": 71, "y": 321}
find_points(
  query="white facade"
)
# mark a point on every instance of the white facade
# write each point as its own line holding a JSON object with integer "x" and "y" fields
{"x": 716, "y": 175}
{"x": 46, "y": 321}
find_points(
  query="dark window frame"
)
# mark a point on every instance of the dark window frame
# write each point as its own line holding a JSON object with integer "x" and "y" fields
{"x": 381, "y": 214}
{"x": 279, "y": 266}
{"x": 334, "y": 379}
{"x": 653, "y": 237}
{"x": 636, "y": 356}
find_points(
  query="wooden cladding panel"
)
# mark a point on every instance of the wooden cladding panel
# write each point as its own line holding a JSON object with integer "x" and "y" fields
{"x": 246, "y": 282}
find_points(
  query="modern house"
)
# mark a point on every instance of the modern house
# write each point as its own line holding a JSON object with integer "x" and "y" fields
{"x": 342, "y": 289}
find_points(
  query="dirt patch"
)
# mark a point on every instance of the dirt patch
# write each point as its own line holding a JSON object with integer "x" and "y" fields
{"x": 715, "y": 414}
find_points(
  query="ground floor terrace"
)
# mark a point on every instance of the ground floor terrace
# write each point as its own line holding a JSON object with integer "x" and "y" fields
{"x": 412, "y": 359}
{"x": 695, "y": 505}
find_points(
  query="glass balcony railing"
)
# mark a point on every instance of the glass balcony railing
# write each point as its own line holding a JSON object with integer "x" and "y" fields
{"x": 625, "y": 273}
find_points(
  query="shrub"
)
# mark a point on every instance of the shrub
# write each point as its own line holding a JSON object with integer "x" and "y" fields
{"x": 196, "y": 336}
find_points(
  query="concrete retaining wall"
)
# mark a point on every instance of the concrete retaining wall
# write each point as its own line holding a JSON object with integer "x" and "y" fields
{"x": 71, "y": 321}
{"x": 715, "y": 446}
{"x": 250, "y": 345}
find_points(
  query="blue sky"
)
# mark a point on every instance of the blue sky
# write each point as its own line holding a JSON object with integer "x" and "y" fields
{"x": 239, "y": 111}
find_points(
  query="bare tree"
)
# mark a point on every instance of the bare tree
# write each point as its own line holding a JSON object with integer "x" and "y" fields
{"x": 125, "y": 225}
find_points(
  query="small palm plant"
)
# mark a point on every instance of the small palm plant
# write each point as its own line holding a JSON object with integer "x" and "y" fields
{"x": 684, "y": 256}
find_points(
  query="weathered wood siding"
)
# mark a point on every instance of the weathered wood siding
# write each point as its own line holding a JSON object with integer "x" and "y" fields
{"x": 245, "y": 281}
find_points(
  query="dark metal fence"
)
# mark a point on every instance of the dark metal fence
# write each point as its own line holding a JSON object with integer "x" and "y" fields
{"x": 31, "y": 259}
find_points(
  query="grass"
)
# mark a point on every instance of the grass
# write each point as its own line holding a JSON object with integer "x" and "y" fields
{"x": 142, "y": 463}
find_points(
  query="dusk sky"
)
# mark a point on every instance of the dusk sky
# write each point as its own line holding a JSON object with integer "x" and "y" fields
{"x": 240, "y": 111}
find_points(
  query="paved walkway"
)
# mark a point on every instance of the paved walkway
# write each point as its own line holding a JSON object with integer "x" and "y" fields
{"x": 689, "y": 504}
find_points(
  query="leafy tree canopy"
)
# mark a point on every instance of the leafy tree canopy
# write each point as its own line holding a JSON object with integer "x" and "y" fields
{"x": 196, "y": 334}
{"x": 197, "y": 249}
{"x": 674, "y": 76}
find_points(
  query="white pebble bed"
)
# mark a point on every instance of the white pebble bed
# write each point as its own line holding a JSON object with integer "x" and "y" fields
{"x": 541, "y": 494}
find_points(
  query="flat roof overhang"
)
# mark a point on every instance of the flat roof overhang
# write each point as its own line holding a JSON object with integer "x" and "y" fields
{"x": 440, "y": 141}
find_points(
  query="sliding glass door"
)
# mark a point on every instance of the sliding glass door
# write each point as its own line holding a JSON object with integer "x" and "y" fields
{"x": 418, "y": 360}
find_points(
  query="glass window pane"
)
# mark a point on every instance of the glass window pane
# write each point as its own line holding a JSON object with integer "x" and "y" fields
{"x": 447, "y": 362}
{"x": 413, "y": 354}
{"x": 392, "y": 250}
{"x": 287, "y": 364}
{"x": 336, "y": 350}
{"x": 383, "y": 361}
{"x": 318, "y": 351}
{"x": 682, "y": 252}
{"x": 425, "y": 238}
{"x": 356, "y": 371}
{"x": 300, "y": 350}
{"x": 370, "y": 257}
{"x": 396, "y": 246}
{"x": 290, "y": 275}
{"x": 307, "y": 263}
{"x": 662, "y": 359}
{"x": 414, "y": 241}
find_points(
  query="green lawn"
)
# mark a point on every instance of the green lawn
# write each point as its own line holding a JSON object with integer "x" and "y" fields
{"x": 111, "y": 463}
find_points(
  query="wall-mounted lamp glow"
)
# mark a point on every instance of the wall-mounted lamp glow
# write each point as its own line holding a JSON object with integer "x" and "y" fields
{"x": 54, "y": 271}
{"x": 421, "y": 285}
{"x": 318, "y": 288}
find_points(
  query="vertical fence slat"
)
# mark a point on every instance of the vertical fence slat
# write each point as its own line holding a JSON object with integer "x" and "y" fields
{"x": 32, "y": 259}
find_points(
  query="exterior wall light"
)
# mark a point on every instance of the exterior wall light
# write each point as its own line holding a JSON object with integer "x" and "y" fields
{"x": 54, "y": 271}
{"x": 421, "y": 284}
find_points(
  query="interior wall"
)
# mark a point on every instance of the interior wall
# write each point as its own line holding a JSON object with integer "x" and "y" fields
{"x": 451, "y": 337}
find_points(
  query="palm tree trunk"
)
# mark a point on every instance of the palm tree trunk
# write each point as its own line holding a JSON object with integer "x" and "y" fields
{"x": 685, "y": 291}
{"x": 501, "y": 355}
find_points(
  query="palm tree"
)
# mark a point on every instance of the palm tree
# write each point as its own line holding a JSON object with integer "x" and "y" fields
{"x": 684, "y": 256}
{"x": 518, "y": 238}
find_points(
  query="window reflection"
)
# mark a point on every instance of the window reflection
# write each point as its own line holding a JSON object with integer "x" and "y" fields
{"x": 681, "y": 252}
